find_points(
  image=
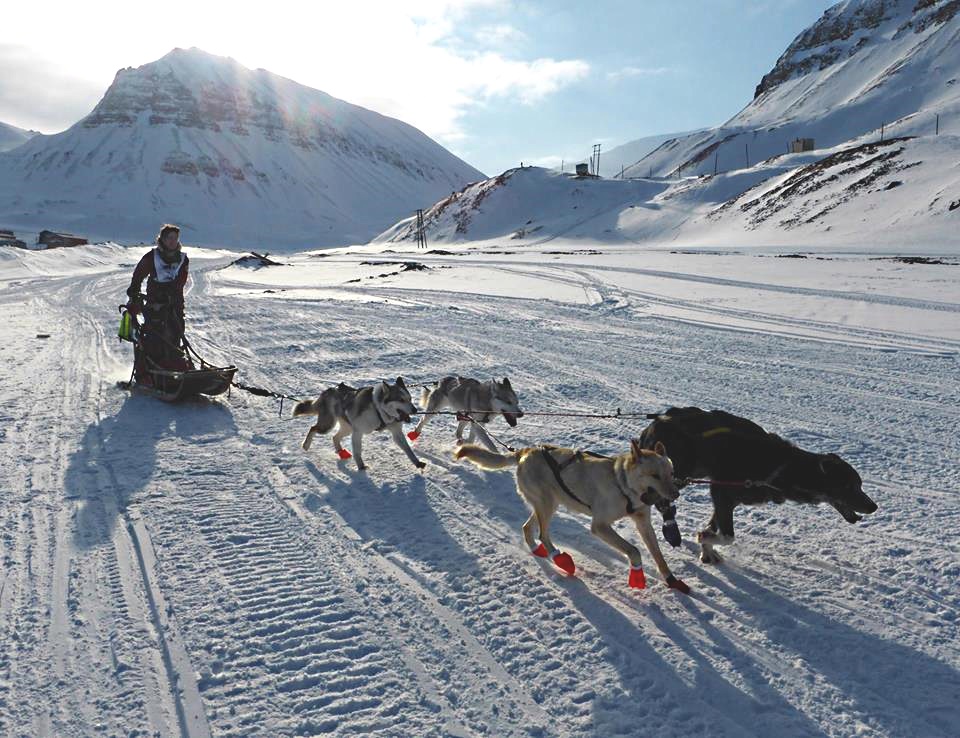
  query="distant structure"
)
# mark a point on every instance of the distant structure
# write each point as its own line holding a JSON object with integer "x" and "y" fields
{"x": 8, "y": 239}
{"x": 798, "y": 146}
{"x": 54, "y": 240}
{"x": 422, "y": 231}
{"x": 583, "y": 170}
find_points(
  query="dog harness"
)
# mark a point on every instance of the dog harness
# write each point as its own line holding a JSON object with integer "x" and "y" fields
{"x": 556, "y": 467}
{"x": 468, "y": 401}
{"x": 383, "y": 423}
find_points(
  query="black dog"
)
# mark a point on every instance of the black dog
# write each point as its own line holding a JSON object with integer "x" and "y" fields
{"x": 749, "y": 466}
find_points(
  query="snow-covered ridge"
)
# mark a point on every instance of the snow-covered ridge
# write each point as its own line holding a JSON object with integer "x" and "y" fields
{"x": 529, "y": 205}
{"x": 900, "y": 194}
{"x": 11, "y": 136}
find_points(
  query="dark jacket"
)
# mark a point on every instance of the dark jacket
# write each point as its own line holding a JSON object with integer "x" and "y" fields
{"x": 157, "y": 291}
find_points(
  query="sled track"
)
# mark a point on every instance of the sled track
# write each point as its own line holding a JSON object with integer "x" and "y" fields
{"x": 131, "y": 574}
{"x": 286, "y": 645}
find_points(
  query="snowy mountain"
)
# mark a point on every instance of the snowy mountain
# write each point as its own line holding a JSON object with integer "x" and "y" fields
{"x": 11, "y": 136}
{"x": 864, "y": 65}
{"x": 236, "y": 156}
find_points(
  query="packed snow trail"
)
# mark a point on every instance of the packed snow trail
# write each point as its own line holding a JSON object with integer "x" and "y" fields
{"x": 188, "y": 570}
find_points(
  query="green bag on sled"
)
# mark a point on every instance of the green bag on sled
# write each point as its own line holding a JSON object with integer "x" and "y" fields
{"x": 126, "y": 329}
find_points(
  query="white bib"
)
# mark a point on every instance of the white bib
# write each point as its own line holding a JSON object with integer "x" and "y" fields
{"x": 166, "y": 272}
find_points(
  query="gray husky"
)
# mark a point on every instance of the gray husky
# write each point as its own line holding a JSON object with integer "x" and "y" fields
{"x": 482, "y": 400}
{"x": 384, "y": 406}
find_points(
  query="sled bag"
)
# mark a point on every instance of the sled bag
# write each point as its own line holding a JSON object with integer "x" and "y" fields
{"x": 125, "y": 331}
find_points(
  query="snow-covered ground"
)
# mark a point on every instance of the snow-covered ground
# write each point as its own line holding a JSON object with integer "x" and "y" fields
{"x": 188, "y": 570}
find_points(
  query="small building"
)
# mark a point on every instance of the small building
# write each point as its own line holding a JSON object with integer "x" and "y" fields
{"x": 583, "y": 170}
{"x": 54, "y": 240}
{"x": 799, "y": 145}
{"x": 8, "y": 239}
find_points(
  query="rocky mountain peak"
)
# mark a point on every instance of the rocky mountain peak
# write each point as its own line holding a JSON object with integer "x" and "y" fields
{"x": 850, "y": 26}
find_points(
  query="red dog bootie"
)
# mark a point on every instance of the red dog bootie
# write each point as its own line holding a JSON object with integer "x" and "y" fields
{"x": 638, "y": 579}
{"x": 563, "y": 560}
{"x": 540, "y": 551}
{"x": 413, "y": 435}
{"x": 344, "y": 454}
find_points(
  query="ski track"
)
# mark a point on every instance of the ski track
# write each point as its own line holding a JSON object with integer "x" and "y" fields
{"x": 188, "y": 570}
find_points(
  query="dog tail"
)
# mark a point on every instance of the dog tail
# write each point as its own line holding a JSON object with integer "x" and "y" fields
{"x": 307, "y": 407}
{"x": 487, "y": 459}
{"x": 327, "y": 407}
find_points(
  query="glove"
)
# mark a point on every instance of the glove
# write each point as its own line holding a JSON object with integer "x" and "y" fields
{"x": 133, "y": 307}
{"x": 670, "y": 529}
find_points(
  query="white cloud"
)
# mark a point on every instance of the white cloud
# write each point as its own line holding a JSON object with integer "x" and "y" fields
{"x": 629, "y": 72}
{"x": 493, "y": 75}
{"x": 499, "y": 35}
{"x": 401, "y": 59}
{"x": 37, "y": 93}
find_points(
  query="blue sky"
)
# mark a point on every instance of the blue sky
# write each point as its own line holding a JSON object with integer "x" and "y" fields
{"x": 497, "y": 82}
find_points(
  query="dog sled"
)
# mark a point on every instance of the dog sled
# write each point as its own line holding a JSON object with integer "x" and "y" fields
{"x": 165, "y": 364}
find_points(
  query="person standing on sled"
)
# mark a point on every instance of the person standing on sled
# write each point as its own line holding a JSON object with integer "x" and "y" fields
{"x": 165, "y": 268}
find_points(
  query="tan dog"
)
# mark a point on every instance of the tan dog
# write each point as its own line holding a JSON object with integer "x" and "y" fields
{"x": 605, "y": 488}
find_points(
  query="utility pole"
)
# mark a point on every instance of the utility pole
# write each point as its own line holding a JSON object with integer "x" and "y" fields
{"x": 716, "y": 161}
{"x": 746, "y": 148}
{"x": 938, "y": 124}
{"x": 882, "y": 125}
{"x": 596, "y": 159}
{"x": 421, "y": 231}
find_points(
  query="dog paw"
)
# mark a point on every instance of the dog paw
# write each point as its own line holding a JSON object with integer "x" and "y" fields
{"x": 344, "y": 454}
{"x": 563, "y": 560}
{"x": 638, "y": 579}
{"x": 413, "y": 435}
{"x": 671, "y": 533}
{"x": 421, "y": 465}
{"x": 540, "y": 551}
{"x": 678, "y": 584}
{"x": 710, "y": 557}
